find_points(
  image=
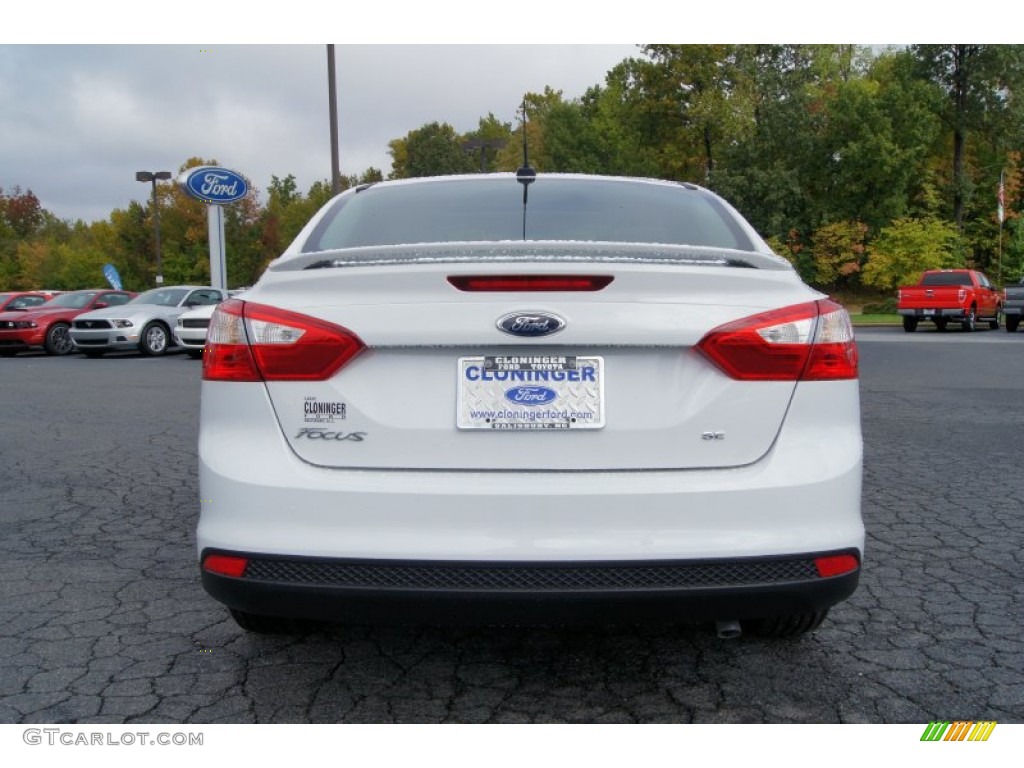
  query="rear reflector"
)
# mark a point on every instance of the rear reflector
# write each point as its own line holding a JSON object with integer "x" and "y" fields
{"x": 835, "y": 565}
{"x": 254, "y": 342}
{"x": 806, "y": 342}
{"x": 537, "y": 283}
{"x": 225, "y": 565}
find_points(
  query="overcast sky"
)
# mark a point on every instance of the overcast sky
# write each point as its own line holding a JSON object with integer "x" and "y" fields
{"x": 77, "y": 121}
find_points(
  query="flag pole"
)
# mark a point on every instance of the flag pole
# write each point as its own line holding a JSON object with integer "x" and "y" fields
{"x": 1000, "y": 213}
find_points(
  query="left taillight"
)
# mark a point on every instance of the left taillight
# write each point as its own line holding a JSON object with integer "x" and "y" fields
{"x": 805, "y": 342}
{"x": 255, "y": 342}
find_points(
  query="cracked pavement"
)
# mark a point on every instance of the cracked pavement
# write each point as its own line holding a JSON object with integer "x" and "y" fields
{"x": 103, "y": 619}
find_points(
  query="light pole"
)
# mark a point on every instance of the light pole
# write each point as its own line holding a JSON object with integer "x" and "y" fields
{"x": 152, "y": 176}
{"x": 483, "y": 145}
{"x": 332, "y": 107}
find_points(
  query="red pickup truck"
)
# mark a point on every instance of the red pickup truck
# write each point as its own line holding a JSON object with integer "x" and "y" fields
{"x": 962, "y": 296}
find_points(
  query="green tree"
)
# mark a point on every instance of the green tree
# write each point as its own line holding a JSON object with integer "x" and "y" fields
{"x": 701, "y": 99}
{"x": 434, "y": 149}
{"x": 491, "y": 136}
{"x": 903, "y": 250}
{"x": 771, "y": 171}
{"x": 132, "y": 249}
{"x": 538, "y": 107}
{"x": 838, "y": 250}
{"x": 977, "y": 82}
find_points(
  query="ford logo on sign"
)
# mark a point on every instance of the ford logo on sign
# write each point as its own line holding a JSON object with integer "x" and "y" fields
{"x": 530, "y": 324}
{"x": 530, "y": 395}
{"x": 214, "y": 185}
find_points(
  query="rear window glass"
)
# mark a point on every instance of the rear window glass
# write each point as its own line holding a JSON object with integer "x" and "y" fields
{"x": 947, "y": 278}
{"x": 491, "y": 210}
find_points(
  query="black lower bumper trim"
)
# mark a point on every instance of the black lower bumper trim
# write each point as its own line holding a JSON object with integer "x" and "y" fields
{"x": 426, "y": 592}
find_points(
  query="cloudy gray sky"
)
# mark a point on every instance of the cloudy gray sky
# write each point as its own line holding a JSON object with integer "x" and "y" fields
{"x": 77, "y": 121}
{"x": 81, "y": 111}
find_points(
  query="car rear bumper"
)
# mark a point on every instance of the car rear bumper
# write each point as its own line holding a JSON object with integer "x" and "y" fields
{"x": 803, "y": 496}
{"x": 402, "y": 592}
{"x": 958, "y": 313}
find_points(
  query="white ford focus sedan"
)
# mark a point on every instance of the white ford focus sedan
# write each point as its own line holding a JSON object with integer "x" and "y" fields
{"x": 522, "y": 398}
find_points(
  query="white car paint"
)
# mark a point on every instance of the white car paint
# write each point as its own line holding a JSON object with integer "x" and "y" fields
{"x": 369, "y": 464}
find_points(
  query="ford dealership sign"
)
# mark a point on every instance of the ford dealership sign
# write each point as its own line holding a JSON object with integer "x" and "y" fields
{"x": 214, "y": 185}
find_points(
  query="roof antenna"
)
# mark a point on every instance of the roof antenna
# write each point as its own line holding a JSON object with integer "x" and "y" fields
{"x": 526, "y": 174}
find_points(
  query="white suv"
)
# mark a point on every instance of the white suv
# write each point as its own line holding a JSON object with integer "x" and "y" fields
{"x": 516, "y": 398}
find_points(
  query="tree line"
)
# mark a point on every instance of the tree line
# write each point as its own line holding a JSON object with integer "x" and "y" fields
{"x": 862, "y": 167}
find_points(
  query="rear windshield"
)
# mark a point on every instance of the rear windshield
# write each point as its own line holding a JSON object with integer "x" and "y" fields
{"x": 491, "y": 210}
{"x": 947, "y": 278}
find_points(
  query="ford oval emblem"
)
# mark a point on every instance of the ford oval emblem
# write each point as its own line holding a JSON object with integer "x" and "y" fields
{"x": 530, "y": 395}
{"x": 214, "y": 185}
{"x": 530, "y": 324}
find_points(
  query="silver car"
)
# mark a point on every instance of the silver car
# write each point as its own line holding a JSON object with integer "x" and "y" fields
{"x": 144, "y": 323}
{"x": 191, "y": 328}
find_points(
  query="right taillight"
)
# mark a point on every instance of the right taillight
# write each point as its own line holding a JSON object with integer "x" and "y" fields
{"x": 254, "y": 342}
{"x": 805, "y": 342}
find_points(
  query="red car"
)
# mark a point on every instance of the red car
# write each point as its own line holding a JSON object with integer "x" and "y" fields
{"x": 46, "y": 325}
{"x": 22, "y": 299}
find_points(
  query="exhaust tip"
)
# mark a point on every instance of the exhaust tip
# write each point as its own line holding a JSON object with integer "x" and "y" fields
{"x": 728, "y": 630}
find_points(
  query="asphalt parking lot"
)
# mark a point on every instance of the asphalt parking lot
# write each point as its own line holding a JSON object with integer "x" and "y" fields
{"x": 102, "y": 618}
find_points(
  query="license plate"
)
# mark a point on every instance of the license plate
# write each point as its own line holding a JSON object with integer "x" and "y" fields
{"x": 530, "y": 392}
{"x": 927, "y": 311}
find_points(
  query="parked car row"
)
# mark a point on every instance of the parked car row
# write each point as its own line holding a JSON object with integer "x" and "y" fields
{"x": 98, "y": 321}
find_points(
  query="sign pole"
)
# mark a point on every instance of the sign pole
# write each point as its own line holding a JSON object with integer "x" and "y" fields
{"x": 218, "y": 261}
{"x": 216, "y": 187}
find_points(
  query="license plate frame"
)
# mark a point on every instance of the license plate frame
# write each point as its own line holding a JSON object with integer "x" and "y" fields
{"x": 519, "y": 393}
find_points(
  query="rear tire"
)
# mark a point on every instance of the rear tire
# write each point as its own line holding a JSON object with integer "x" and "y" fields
{"x": 1012, "y": 321}
{"x": 793, "y": 625}
{"x": 269, "y": 625}
{"x": 909, "y": 324}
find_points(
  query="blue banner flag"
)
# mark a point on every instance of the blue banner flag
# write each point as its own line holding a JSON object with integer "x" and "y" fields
{"x": 110, "y": 272}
